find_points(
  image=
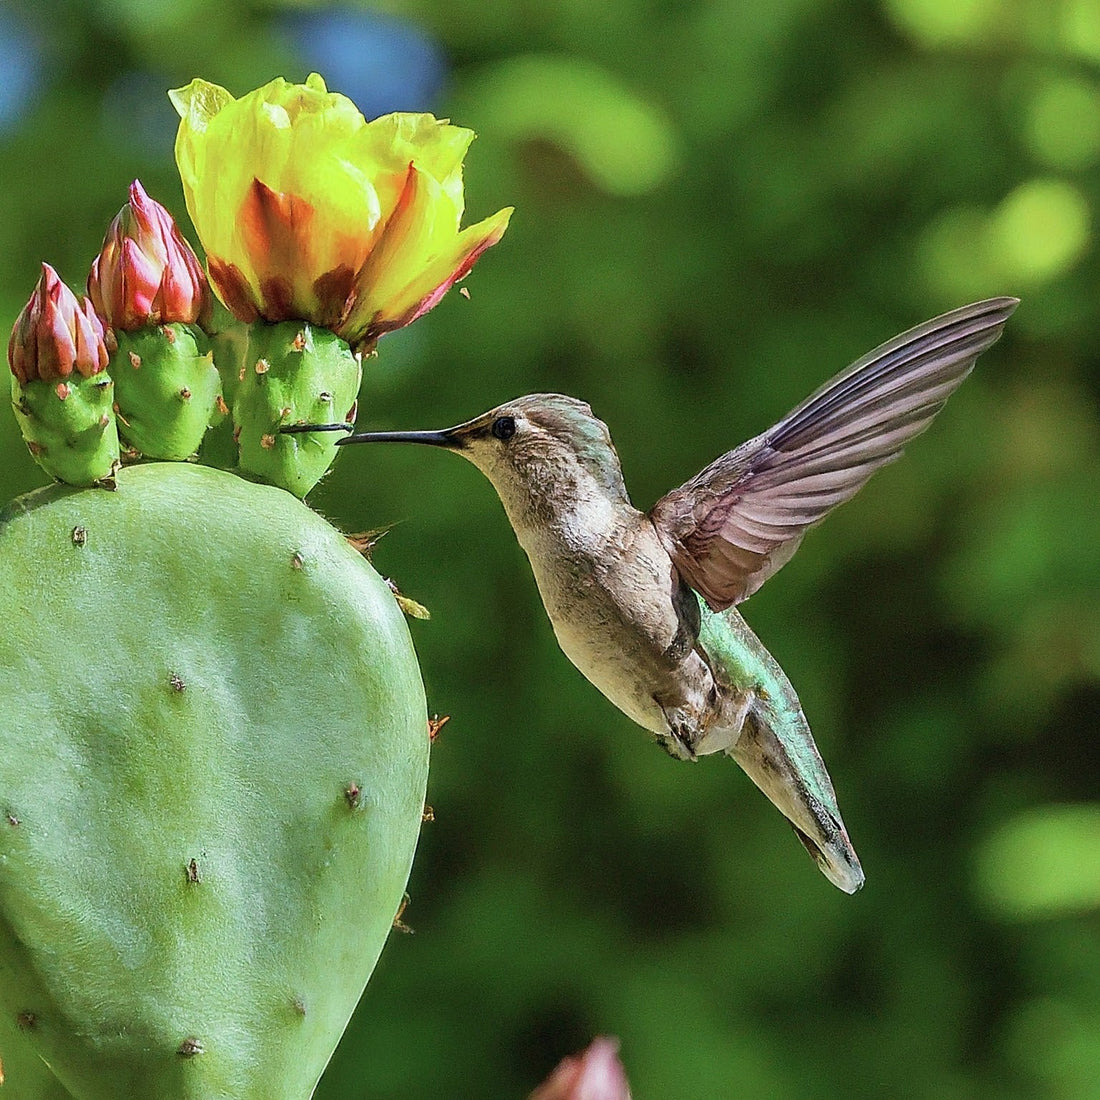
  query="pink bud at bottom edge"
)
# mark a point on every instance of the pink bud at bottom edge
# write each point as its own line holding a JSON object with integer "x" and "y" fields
{"x": 594, "y": 1074}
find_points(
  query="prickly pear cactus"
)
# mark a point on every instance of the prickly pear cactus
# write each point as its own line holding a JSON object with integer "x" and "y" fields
{"x": 214, "y": 755}
{"x": 21, "y": 1069}
{"x": 213, "y": 736}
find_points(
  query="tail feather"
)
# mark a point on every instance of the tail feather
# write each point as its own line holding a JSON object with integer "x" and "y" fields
{"x": 775, "y": 747}
{"x": 798, "y": 786}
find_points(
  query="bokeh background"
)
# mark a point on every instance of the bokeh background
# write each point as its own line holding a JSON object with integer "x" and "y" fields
{"x": 719, "y": 204}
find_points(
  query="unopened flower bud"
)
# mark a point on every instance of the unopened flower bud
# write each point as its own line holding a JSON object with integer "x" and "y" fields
{"x": 595, "y": 1074}
{"x": 56, "y": 334}
{"x": 146, "y": 274}
{"x": 60, "y": 390}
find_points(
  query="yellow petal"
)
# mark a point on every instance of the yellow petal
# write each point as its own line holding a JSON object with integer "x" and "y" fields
{"x": 294, "y": 195}
{"x": 386, "y": 305}
{"x": 446, "y": 268}
{"x": 199, "y": 101}
{"x": 396, "y": 140}
{"x": 402, "y": 249}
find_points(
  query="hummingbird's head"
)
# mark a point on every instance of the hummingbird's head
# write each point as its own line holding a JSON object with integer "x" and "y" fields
{"x": 538, "y": 451}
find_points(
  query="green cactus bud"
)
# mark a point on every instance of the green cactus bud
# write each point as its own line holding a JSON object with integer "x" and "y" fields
{"x": 166, "y": 389}
{"x": 294, "y": 373}
{"x": 69, "y": 426}
{"x": 213, "y": 754}
{"x": 229, "y": 343}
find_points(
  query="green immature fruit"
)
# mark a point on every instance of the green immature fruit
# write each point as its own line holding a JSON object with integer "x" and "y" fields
{"x": 69, "y": 426}
{"x": 229, "y": 343}
{"x": 167, "y": 389}
{"x": 293, "y": 373}
{"x": 213, "y": 755}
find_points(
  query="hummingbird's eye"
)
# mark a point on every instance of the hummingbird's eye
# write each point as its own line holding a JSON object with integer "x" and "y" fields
{"x": 504, "y": 427}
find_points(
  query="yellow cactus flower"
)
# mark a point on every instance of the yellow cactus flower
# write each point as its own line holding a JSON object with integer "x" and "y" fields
{"x": 309, "y": 212}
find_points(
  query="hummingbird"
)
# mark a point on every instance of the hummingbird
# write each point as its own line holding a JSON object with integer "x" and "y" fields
{"x": 644, "y": 604}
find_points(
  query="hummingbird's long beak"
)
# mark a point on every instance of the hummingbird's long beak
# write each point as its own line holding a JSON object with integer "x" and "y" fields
{"x": 447, "y": 438}
{"x": 298, "y": 429}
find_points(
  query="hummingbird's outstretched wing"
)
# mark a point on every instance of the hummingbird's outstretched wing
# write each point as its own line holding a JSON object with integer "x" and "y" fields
{"x": 734, "y": 524}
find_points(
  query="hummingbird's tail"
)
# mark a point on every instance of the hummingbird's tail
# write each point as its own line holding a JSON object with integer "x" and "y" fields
{"x": 775, "y": 747}
{"x": 788, "y": 769}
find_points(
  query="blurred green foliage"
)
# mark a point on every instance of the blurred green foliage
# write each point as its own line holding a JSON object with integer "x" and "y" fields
{"x": 719, "y": 205}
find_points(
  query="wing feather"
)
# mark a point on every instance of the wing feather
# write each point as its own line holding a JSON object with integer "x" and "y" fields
{"x": 734, "y": 524}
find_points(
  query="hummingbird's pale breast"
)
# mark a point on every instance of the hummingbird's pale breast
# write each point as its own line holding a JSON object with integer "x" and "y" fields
{"x": 609, "y": 587}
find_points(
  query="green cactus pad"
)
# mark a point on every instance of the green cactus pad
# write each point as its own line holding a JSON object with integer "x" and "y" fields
{"x": 293, "y": 373}
{"x": 22, "y": 1070}
{"x": 69, "y": 426}
{"x": 213, "y": 755}
{"x": 166, "y": 389}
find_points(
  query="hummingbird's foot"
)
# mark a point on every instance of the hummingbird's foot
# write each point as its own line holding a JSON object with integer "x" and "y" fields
{"x": 725, "y": 725}
{"x": 683, "y": 727}
{"x": 675, "y": 746}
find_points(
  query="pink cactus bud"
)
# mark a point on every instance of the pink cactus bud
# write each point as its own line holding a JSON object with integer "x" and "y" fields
{"x": 594, "y": 1074}
{"x": 146, "y": 273}
{"x": 55, "y": 333}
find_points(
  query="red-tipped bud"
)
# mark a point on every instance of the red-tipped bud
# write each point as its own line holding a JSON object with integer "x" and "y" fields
{"x": 595, "y": 1074}
{"x": 146, "y": 273}
{"x": 56, "y": 333}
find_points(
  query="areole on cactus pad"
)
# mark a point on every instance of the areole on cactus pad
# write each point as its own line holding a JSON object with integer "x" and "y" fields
{"x": 214, "y": 761}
